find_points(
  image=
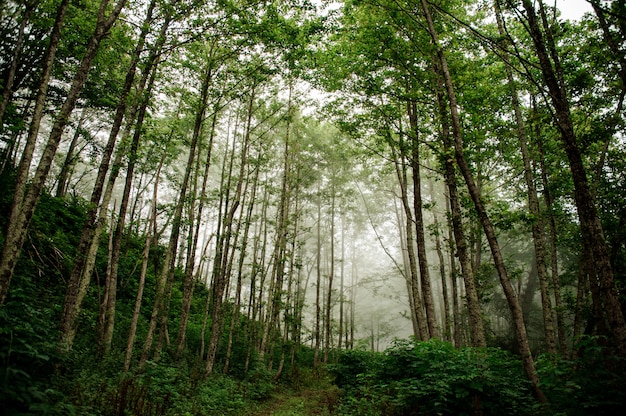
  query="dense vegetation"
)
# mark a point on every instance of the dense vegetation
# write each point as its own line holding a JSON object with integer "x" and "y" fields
{"x": 283, "y": 207}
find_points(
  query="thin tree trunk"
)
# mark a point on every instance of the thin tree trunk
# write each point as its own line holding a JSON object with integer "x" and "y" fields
{"x": 62, "y": 179}
{"x": 278, "y": 268}
{"x": 221, "y": 273}
{"x": 341, "y": 279}
{"x": 90, "y": 236}
{"x": 331, "y": 277}
{"x": 405, "y": 271}
{"x": 512, "y": 300}
{"x": 459, "y": 245}
{"x": 188, "y": 282}
{"x": 21, "y": 210}
{"x": 144, "y": 268}
{"x": 442, "y": 271}
{"x": 7, "y": 91}
{"x": 456, "y": 318}
{"x": 591, "y": 227}
{"x": 420, "y": 239}
{"x": 400, "y": 167}
{"x": 554, "y": 268}
{"x": 537, "y": 225}
{"x": 318, "y": 281}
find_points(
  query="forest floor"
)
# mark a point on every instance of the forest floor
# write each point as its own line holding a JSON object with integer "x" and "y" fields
{"x": 313, "y": 401}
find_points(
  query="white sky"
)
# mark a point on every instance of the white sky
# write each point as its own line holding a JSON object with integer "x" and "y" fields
{"x": 572, "y": 9}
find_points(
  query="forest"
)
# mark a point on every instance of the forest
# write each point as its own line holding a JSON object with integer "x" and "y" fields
{"x": 312, "y": 207}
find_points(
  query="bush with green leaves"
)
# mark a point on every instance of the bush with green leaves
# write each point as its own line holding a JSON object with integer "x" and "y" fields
{"x": 592, "y": 383}
{"x": 433, "y": 378}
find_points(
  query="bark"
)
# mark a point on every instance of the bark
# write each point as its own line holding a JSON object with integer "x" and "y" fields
{"x": 188, "y": 283}
{"x": 24, "y": 203}
{"x": 150, "y": 234}
{"x": 400, "y": 167}
{"x": 420, "y": 239}
{"x": 537, "y": 225}
{"x": 84, "y": 259}
{"x": 476, "y": 327}
{"x": 591, "y": 227}
{"x": 7, "y": 91}
{"x": 222, "y": 259}
{"x": 278, "y": 257}
{"x": 512, "y": 300}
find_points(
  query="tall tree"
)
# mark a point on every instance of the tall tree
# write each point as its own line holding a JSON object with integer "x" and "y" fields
{"x": 512, "y": 300}
{"x": 591, "y": 227}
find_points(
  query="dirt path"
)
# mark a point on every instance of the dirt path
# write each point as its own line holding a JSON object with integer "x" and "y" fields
{"x": 309, "y": 401}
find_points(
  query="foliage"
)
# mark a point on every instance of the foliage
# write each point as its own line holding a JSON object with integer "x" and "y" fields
{"x": 591, "y": 383}
{"x": 28, "y": 358}
{"x": 427, "y": 378}
{"x": 432, "y": 378}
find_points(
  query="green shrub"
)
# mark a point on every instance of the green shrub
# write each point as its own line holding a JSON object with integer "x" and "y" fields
{"x": 590, "y": 384}
{"x": 433, "y": 378}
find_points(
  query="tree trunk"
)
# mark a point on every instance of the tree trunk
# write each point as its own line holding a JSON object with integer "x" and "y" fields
{"x": 591, "y": 227}
{"x": 188, "y": 282}
{"x": 456, "y": 318}
{"x": 90, "y": 236}
{"x": 476, "y": 327}
{"x": 7, "y": 91}
{"x": 318, "y": 280}
{"x": 512, "y": 300}
{"x": 70, "y": 157}
{"x": 21, "y": 212}
{"x": 400, "y": 167}
{"x": 447, "y": 334}
{"x": 537, "y": 225}
{"x": 144, "y": 267}
{"x": 420, "y": 239}
{"x": 280, "y": 245}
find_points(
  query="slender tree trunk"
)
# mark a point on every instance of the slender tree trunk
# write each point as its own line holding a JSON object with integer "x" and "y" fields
{"x": 405, "y": 270}
{"x": 221, "y": 275}
{"x": 235, "y": 314}
{"x": 144, "y": 268}
{"x": 420, "y": 239}
{"x": 400, "y": 166}
{"x": 456, "y": 318}
{"x": 342, "y": 270}
{"x": 512, "y": 300}
{"x": 447, "y": 335}
{"x": 63, "y": 178}
{"x": 476, "y": 327}
{"x": 278, "y": 265}
{"x": 537, "y": 225}
{"x": 318, "y": 280}
{"x": 554, "y": 268}
{"x": 84, "y": 260}
{"x": 188, "y": 282}
{"x": 7, "y": 91}
{"x": 331, "y": 278}
{"x": 591, "y": 227}
{"x": 21, "y": 211}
